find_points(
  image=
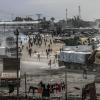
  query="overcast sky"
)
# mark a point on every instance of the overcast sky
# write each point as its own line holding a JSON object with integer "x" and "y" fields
{"x": 90, "y": 9}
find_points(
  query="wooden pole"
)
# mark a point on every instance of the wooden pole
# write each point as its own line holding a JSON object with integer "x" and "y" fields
{"x": 66, "y": 84}
{"x": 25, "y": 86}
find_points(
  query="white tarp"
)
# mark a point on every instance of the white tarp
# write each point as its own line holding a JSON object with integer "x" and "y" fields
{"x": 81, "y": 48}
{"x": 74, "y": 57}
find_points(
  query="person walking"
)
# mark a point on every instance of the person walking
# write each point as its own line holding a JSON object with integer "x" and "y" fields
{"x": 38, "y": 56}
{"x": 30, "y": 51}
{"x": 50, "y": 42}
{"x": 56, "y": 56}
{"x": 49, "y": 63}
{"x": 47, "y": 53}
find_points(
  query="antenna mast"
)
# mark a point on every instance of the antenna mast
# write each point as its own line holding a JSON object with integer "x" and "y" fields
{"x": 66, "y": 16}
{"x": 79, "y": 8}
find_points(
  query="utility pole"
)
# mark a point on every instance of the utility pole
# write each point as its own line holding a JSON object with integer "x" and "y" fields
{"x": 17, "y": 33}
{"x": 25, "y": 86}
{"x": 66, "y": 88}
{"x": 65, "y": 84}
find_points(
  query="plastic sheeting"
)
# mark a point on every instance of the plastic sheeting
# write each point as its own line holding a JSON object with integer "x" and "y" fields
{"x": 80, "y": 48}
{"x": 74, "y": 57}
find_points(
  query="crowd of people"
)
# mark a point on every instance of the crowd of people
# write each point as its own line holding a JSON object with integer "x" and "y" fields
{"x": 38, "y": 41}
{"x": 46, "y": 90}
